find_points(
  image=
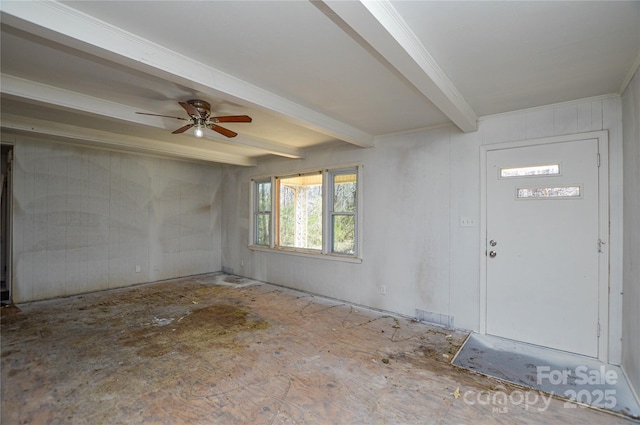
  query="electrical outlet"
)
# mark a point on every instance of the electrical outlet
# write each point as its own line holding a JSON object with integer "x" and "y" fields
{"x": 467, "y": 222}
{"x": 383, "y": 289}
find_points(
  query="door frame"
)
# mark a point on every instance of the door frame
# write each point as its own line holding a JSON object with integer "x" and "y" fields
{"x": 603, "y": 227}
{"x": 8, "y": 251}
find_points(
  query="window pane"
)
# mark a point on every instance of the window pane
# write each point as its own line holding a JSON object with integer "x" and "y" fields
{"x": 344, "y": 232}
{"x": 287, "y": 216}
{"x": 550, "y": 192}
{"x": 263, "y": 223}
{"x": 300, "y": 213}
{"x": 536, "y": 170}
{"x": 344, "y": 192}
{"x": 264, "y": 196}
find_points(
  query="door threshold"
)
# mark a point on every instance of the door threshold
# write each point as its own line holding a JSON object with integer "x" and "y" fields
{"x": 578, "y": 379}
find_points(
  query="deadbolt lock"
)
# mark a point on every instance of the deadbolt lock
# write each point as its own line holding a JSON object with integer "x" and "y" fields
{"x": 493, "y": 243}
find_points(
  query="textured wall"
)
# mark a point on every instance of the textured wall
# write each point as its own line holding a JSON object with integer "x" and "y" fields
{"x": 415, "y": 189}
{"x": 631, "y": 306}
{"x": 84, "y": 219}
{"x": 405, "y": 207}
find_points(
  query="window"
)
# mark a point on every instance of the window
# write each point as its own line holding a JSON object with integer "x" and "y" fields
{"x": 300, "y": 211}
{"x": 311, "y": 213}
{"x": 343, "y": 212}
{"x": 548, "y": 192}
{"x": 262, "y": 212}
{"x": 535, "y": 170}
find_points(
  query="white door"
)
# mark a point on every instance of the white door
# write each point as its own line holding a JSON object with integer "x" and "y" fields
{"x": 543, "y": 245}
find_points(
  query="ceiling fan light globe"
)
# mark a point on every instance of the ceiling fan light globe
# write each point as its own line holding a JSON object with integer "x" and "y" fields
{"x": 198, "y": 132}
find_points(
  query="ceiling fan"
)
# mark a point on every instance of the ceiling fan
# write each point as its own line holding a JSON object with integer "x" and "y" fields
{"x": 200, "y": 116}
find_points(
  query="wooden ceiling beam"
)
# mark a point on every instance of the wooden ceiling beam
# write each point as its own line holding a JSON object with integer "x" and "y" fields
{"x": 69, "y": 100}
{"x": 72, "y": 28}
{"x": 378, "y": 25}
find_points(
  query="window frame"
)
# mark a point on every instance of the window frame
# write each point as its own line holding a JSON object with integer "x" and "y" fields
{"x": 328, "y": 174}
{"x": 256, "y": 212}
{"x": 328, "y": 234}
{"x": 276, "y": 207}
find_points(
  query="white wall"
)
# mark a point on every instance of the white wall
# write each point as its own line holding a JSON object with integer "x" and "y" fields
{"x": 405, "y": 185}
{"x": 85, "y": 218}
{"x": 631, "y": 306}
{"x": 415, "y": 188}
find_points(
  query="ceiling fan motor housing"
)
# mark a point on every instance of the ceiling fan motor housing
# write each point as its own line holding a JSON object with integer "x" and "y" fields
{"x": 204, "y": 108}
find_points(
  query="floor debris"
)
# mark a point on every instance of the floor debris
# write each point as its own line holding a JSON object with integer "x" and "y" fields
{"x": 246, "y": 353}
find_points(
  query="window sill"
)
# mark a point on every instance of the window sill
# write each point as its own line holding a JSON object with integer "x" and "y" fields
{"x": 309, "y": 254}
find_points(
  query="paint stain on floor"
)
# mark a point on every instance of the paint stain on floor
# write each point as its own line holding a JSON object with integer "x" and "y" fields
{"x": 206, "y": 350}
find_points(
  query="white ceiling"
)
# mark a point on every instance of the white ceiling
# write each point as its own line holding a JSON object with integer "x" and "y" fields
{"x": 308, "y": 73}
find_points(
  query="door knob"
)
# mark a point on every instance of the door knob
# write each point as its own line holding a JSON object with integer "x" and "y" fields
{"x": 492, "y": 254}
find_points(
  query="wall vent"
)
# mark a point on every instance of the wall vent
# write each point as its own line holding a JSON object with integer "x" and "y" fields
{"x": 436, "y": 318}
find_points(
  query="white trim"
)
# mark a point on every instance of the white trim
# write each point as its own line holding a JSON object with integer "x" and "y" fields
{"x": 327, "y": 237}
{"x": 301, "y": 253}
{"x": 550, "y": 106}
{"x": 311, "y": 170}
{"x": 482, "y": 310}
{"x": 381, "y": 137}
{"x": 604, "y": 264}
{"x": 603, "y": 205}
{"x": 630, "y": 74}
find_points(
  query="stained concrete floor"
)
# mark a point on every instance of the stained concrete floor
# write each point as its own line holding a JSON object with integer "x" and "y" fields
{"x": 217, "y": 349}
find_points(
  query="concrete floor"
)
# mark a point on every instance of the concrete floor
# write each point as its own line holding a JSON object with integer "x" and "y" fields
{"x": 218, "y": 349}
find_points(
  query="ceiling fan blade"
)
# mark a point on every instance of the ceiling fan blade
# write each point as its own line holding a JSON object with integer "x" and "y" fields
{"x": 222, "y": 130}
{"x": 182, "y": 129}
{"x": 232, "y": 118}
{"x": 191, "y": 110}
{"x": 165, "y": 116}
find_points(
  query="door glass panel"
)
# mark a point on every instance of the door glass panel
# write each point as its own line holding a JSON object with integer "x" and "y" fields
{"x": 535, "y": 170}
{"x": 549, "y": 192}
